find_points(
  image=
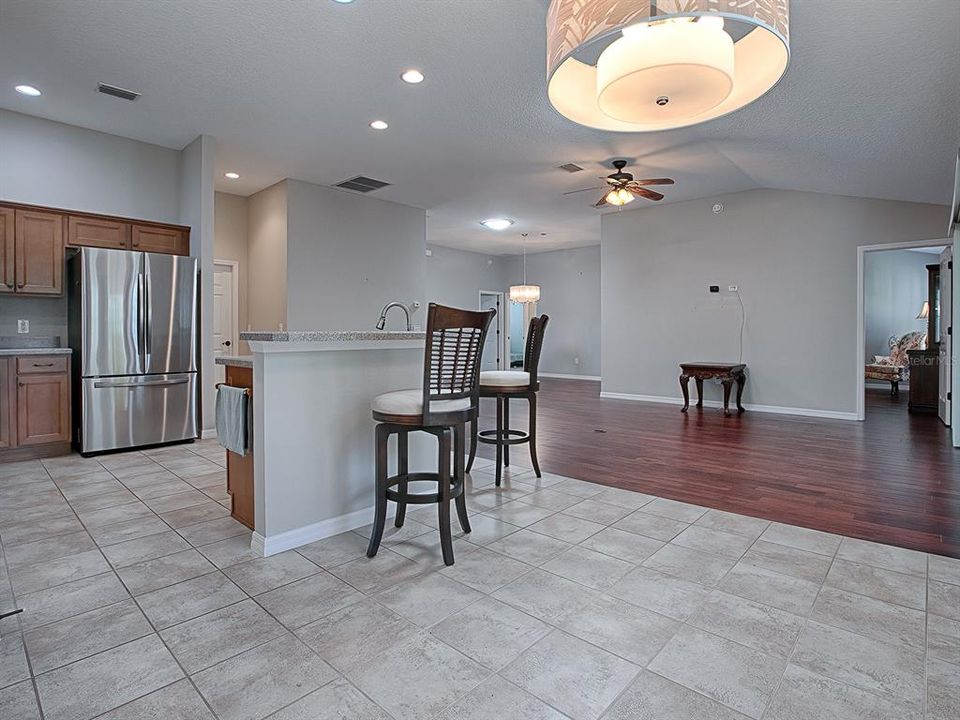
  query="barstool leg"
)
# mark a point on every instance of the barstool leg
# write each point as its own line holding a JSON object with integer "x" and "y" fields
{"x": 402, "y": 469}
{"x": 380, "y": 518}
{"x": 446, "y": 539}
{"x": 506, "y": 428}
{"x": 499, "y": 435}
{"x": 532, "y": 433}
{"x": 473, "y": 442}
{"x": 459, "y": 445}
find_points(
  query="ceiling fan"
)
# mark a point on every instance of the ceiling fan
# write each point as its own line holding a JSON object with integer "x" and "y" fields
{"x": 621, "y": 188}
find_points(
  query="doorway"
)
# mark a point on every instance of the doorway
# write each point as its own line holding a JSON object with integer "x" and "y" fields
{"x": 493, "y": 348}
{"x": 903, "y": 316}
{"x": 225, "y": 311}
{"x": 519, "y": 316}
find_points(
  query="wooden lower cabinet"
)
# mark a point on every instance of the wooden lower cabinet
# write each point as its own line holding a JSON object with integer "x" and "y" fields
{"x": 35, "y": 412}
{"x": 240, "y": 469}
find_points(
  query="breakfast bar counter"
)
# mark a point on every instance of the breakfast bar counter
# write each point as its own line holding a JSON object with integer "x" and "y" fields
{"x": 313, "y": 435}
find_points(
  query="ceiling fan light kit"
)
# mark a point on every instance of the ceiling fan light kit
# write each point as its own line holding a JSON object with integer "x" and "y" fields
{"x": 647, "y": 65}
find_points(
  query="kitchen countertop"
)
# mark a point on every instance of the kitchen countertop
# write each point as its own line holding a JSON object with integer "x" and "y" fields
{"x": 244, "y": 361}
{"x": 34, "y": 351}
{"x": 331, "y": 335}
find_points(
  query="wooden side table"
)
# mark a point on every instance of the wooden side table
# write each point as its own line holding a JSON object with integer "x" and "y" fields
{"x": 727, "y": 373}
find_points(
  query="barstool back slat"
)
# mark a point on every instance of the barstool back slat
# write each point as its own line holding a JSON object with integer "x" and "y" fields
{"x": 531, "y": 354}
{"x": 451, "y": 368}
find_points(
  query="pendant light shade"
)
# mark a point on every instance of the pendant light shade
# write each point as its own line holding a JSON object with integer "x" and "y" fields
{"x": 646, "y": 65}
{"x": 524, "y": 294}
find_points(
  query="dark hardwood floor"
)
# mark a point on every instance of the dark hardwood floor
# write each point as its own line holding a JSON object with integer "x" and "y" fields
{"x": 893, "y": 479}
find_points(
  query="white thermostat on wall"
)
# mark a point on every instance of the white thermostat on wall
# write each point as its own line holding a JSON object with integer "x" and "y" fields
{"x": 717, "y": 208}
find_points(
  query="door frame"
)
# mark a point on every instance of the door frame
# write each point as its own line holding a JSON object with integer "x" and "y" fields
{"x": 499, "y": 320}
{"x": 862, "y": 251}
{"x": 234, "y": 266}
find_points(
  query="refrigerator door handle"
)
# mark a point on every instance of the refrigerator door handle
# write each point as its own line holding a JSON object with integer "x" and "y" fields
{"x": 141, "y": 321}
{"x": 148, "y": 318}
{"x": 153, "y": 383}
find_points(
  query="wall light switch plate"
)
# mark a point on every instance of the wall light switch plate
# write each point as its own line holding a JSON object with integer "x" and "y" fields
{"x": 23, "y": 326}
{"x": 733, "y": 288}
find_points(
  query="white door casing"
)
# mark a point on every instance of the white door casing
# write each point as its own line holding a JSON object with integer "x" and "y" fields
{"x": 224, "y": 312}
{"x": 946, "y": 336}
{"x": 493, "y": 358}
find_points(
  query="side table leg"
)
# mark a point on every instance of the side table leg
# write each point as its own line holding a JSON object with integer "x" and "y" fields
{"x": 685, "y": 387}
{"x": 741, "y": 381}
{"x": 699, "y": 382}
{"x": 727, "y": 386}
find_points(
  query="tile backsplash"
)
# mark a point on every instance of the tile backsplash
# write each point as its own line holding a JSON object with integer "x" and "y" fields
{"x": 47, "y": 316}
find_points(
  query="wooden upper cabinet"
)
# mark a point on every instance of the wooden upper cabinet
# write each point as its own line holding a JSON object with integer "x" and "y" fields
{"x": 160, "y": 239}
{"x": 97, "y": 232}
{"x": 38, "y": 252}
{"x": 7, "y": 235}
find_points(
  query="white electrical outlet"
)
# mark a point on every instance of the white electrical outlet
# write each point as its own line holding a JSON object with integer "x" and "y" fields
{"x": 733, "y": 288}
{"x": 23, "y": 326}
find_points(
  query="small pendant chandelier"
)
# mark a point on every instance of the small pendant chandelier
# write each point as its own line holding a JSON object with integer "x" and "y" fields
{"x": 524, "y": 294}
{"x": 647, "y": 65}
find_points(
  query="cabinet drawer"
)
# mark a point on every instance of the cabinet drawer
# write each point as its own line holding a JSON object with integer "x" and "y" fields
{"x": 94, "y": 232}
{"x": 34, "y": 364}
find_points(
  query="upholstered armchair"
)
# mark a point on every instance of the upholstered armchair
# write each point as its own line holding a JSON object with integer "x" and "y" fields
{"x": 895, "y": 367}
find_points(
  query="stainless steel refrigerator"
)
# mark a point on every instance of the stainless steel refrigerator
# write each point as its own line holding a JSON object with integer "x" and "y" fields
{"x": 133, "y": 330}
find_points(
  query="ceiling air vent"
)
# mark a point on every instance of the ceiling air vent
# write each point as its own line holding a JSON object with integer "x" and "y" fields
{"x": 117, "y": 92}
{"x": 362, "y": 184}
{"x": 570, "y": 168}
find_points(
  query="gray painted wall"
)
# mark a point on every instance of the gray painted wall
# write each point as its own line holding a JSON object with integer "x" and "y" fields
{"x": 569, "y": 283}
{"x": 49, "y": 163}
{"x": 456, "y": 277}
{"x": 267, "y": 255}
{"x": 794, "y": 256}
{"x": 894, "y": 288}
{"x": 230, "y": 243}
{"x": 348, "y": 255}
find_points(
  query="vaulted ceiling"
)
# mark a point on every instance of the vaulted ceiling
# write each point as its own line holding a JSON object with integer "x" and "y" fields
{"x": 870, "y": 105}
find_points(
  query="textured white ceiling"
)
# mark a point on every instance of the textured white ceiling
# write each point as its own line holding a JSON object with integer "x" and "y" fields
{"x": 870, "y": 105}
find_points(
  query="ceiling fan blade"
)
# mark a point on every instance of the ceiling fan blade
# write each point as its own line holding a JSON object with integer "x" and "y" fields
{"x": 655, "y": 181}
{"x": 573, "y": 192}
{"x": 648, "y": 194}
{"x": 602, "y": 202}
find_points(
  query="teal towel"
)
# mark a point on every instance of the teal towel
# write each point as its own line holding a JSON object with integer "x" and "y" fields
{"x": 233, "y": 419}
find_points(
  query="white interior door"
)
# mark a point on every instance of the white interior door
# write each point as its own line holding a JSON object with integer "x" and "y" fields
{"x": 946, "y": 336}
{"x": 493, "y": 346}
{"x": 224, "y": 315}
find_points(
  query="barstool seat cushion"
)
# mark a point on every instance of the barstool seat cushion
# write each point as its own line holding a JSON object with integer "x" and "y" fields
{"x": 410, "y": 402}
{"x": 504, "y": 378}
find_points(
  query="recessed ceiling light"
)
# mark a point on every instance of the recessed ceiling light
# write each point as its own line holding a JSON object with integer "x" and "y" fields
{"x": 28, "y": 90}
{"x": 379, "y": 125}
{"x": 343, "y": 2}
{"x": 496, "y": 223}
{"x": 412, "y": 76}
{"x": 232, "y": 175}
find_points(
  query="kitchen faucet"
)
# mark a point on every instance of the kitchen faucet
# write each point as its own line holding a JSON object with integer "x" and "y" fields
{"x": 383, "y": 314}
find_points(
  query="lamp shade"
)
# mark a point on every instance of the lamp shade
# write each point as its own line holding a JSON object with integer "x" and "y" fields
{"x": 646, "y": 65}
{"x": 524, "y": 293}
{"x": 924, "y": 311}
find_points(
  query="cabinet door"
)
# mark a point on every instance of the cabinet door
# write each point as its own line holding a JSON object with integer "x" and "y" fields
{"x": 151, "y": 238}
{"x": 7, "y": 234}
{"x": 97, "y": 232}
{"x": 39, "y": 252}
{"x": 8, "y": 413}
{"x": 43, "y": 409}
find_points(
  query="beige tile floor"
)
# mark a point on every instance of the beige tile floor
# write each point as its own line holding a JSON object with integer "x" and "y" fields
{"x": 568, "y": 600}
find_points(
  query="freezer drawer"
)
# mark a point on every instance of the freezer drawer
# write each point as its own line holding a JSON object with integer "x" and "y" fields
{"x": 122, "y": 412}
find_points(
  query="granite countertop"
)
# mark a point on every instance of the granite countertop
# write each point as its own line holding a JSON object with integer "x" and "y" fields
{"x": 244, "y": 361}
{"x": 330, "y": 336}
{"x": 34, "y": 351}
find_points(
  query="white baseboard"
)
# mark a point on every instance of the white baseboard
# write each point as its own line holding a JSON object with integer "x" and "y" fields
{"x": 804, "y": 412}
{"x": 209, "y": 434}
{"x": 563, "y": 376}
{"x": 281, "y": 542}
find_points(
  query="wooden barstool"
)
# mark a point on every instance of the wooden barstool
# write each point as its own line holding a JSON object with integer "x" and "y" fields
{"x": 504, "y": 385}
{"x": 448, "y": 399}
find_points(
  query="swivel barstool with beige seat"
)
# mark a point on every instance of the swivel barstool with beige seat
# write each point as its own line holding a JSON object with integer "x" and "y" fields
{"x": 504, "y": 385}
{"x": 448, "y": 399}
